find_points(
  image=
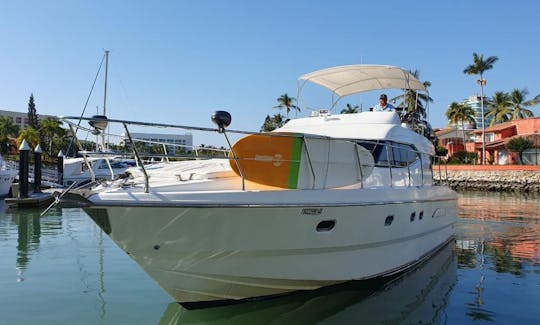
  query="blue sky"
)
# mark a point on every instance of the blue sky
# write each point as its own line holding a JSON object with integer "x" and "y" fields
{"x": 178, "y": 61}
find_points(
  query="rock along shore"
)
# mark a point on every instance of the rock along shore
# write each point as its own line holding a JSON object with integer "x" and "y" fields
{"x": 488, "y": 179}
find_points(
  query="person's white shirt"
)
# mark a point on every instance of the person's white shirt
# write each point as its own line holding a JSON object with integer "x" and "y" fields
{"x": 386, "y": 108}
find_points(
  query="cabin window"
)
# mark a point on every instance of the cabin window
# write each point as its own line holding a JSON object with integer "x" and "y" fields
{"x": 391, "y": 154}
{"x": 413, "y": 215}
{"x": 388, "y": 221}
{"x": 117, "y": 164}
{"x": 103, "y": 165}
{"x": 84, "y": 166}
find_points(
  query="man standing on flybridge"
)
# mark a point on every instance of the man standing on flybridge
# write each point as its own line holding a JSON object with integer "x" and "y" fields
{"x": 383, "y": 105}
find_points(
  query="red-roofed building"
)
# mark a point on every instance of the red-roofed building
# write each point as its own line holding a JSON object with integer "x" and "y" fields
{"x": 497, "y": 136}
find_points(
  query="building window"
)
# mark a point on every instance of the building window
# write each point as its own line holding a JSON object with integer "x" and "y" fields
{"x": 490, "y": 137}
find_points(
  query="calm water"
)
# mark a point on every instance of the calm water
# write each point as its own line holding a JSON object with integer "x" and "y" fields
{"x": 60, "y": 269}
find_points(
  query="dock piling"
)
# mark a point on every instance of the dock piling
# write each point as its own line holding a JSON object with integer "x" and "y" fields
{"x": 24, "y": 152}
{"x": 37, "y": 169}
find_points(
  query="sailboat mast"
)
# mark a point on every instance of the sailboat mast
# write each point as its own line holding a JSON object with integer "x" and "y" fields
{"x": 105, "y": 97}
{"x": 106, "y": 76}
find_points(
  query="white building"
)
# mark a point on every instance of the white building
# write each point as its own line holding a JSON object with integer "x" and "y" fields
{"x": 21, "y": 119}
{"x": 176, "y": 141}
{"x": 475, "y": 103}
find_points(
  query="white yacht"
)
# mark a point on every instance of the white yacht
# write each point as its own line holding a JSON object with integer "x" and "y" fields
{"x": 82, "y": 170}
{"x": 322, "y": 200}
{"x": 7, "y": 175}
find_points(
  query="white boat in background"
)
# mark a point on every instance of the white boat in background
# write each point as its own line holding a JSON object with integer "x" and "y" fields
{"x": 7, "y": 175}
{"x": 83, "y": 170}
{"x": 340, "y": 198}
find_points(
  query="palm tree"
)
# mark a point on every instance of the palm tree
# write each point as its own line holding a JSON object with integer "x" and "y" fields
{"x": 478, "y": 67}
{"x": 287, "y": 103}
{"x": 278, "y": 120}
{"x": 414, "y": 102}
{"x": 460, "y": 113}
{"x": 499, "y": 108}
{"x": 518, "y": 104}
{"x": 350, "y": 109}
{"x": 31, "y": 135}
{"x": 49, "y": 129}
{"x": 7, "y": 129}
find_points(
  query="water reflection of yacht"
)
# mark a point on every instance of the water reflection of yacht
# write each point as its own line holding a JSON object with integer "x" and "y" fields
{"x": 415, "y": 297}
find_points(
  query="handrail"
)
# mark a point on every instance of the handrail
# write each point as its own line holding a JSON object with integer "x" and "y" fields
{"x": 237, "y": 162}
{"x": 310, "y": 162}
{"x": 399, "y": 161}
{"x": 359, "y": 164}
{"x": 389, "y": 164}
{"x": 87, "y": 163}
{"x": 139, "y": 160}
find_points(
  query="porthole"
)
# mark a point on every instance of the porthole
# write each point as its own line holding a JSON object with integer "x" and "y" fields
{"x": 388, "y": 221}
{"x": 421, "y": 215}
{"x": 413, "y": 215}
{"x": 326, "y": 225}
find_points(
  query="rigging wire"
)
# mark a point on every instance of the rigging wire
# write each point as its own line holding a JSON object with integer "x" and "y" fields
{"x": 86, "y": 104}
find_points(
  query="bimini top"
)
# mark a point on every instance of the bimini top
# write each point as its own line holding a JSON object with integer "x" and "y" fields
{"x": 351, "y": 79}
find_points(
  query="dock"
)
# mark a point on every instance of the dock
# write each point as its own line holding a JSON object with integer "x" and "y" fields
{"x": 32, "y": 201}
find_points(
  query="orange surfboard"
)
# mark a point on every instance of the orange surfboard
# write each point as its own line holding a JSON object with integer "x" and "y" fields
{"x": 295, "y": 160}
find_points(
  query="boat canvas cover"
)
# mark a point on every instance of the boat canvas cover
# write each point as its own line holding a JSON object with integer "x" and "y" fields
{"x": 352, "y": 79}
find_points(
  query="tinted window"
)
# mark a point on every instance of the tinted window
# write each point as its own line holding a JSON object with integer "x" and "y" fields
{"x": 387, "y": 153}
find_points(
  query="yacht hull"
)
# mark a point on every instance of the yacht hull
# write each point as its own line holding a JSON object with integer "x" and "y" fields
{"x": 210, "y": 251}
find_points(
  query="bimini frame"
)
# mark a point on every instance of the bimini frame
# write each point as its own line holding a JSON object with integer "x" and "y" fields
{"x": 353, "y": 79}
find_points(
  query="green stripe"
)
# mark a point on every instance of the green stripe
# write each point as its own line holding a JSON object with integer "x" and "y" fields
{"x": 294, "y": 168}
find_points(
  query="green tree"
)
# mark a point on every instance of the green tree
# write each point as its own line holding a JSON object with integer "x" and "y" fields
{"x": 414, "y": 101}
{"x": 268, "y": 124}
{"x": 478, "y": 67}
{"x": 31, "y": 135}
{"x": 460, "y": 113}
{"x": 49, "y": 129}
{"x": 33, "y": 120}
{"x": 441, "y": 151}
{"x": 499, "y": 108}
{"x": 519, "y": 145}
{"x": 287, "y": 103}
{"x": 415, "y": 104}
{"x": 7, "y": 129}
{"x": 350, "y": 109}
{"x": 519, "y": 106}
{"x": 272, "y": 123}
{"x": 463, "y": 158}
